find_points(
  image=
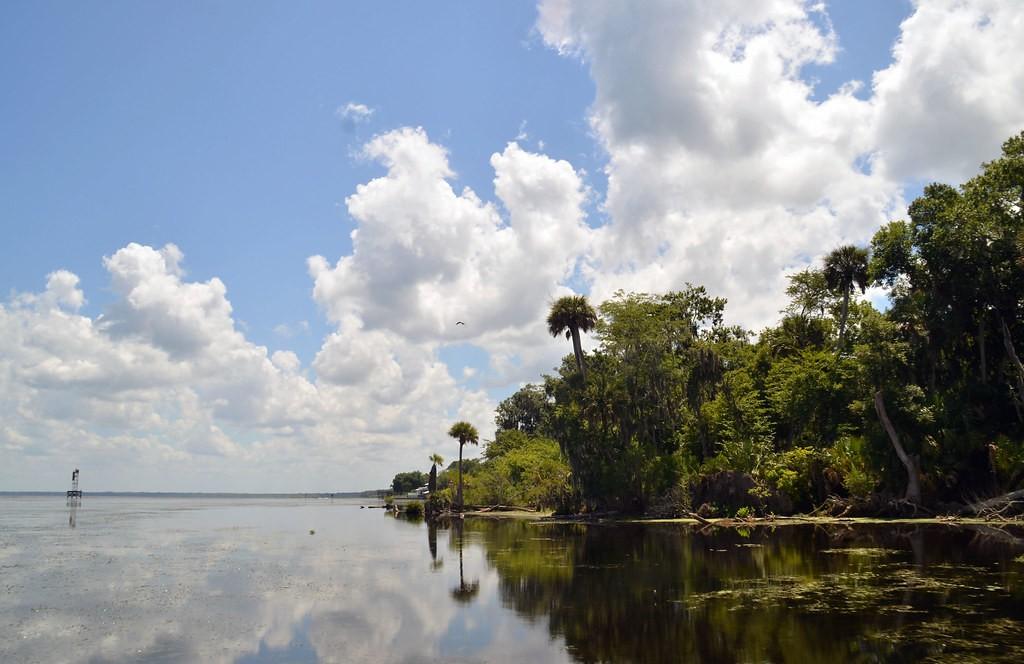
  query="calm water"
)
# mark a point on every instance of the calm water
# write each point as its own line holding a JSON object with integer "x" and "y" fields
{"x": 218, "y": 580}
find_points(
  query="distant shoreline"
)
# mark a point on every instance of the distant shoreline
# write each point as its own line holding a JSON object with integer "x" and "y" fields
{"x": 182, "y": 494}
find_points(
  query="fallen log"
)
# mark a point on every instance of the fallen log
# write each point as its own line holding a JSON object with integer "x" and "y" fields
{"x": 995, "y": 505}
{"x": 698, "y": 517}
{"x": 506, "y": 508}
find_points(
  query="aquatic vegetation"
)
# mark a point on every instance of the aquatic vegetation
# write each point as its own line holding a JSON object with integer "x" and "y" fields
{"x": 864, "y": 552}
{"x": 664, "y": 591}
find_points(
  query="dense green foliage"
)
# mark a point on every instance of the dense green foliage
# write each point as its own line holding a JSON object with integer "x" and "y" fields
{"x": 924, "y": 399}
{"x": 406, "y": 482}
{"x": 519, "y": 470}
{"x": 673, "y": 409}
{"x": 523, "y": 411}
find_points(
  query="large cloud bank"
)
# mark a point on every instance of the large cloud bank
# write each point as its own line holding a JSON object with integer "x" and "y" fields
{"x": 722, "y": 168}
{"x": 164, "y": 391}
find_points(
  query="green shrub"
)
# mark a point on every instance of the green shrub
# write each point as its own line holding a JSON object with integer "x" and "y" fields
{"x": 530, "y": 473}
{"x": 744, "y": 513}
{"x": 442, "y": 498}
{"x": 848, "y": 456}
{"x": 792, "y": 473}
{"x": 414, "y": 510}
{"x": 1008, "y": 458}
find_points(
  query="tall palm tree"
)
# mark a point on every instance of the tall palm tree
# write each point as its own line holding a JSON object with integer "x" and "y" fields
{"x": 572, "y": 314}
{"x": 845, "y": 268}
{"x": 464, "y": 432}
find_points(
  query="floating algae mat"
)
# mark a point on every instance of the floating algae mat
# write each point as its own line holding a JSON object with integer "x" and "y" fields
{"x": 862, "y": 551}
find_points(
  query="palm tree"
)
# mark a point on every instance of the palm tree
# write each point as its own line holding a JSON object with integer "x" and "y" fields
{"x": 464, "y": 432}
{"x": 572, "y": 314}
{"x": 435, "y": 461}
{"x": 846, "y": 267}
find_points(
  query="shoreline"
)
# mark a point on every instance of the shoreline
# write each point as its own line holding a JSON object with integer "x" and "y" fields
{"x": 729, "y": 522}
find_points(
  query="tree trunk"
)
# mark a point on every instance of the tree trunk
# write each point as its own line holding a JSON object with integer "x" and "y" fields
{"x": 577, "y": 349}
{"x": 842, "y": 317}
{"x": 981, "y": 351}
{"x": 1012, "y": 353}
{"x": 458, "y": 497}
{"x": 910, "y": 463}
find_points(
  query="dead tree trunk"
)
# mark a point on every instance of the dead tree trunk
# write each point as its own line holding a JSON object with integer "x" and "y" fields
{"x": 911, "y": 463}
{"x": 1011, "y": 352}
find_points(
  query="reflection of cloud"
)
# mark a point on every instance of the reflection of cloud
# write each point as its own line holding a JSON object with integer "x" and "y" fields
{"x": 219, "y": 581}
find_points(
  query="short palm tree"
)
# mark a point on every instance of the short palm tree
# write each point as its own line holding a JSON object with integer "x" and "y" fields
{"x": 464, "y": 432}
{"x": 845, "y": 268}
{"x": 571, "y": 315}
{"x": 435, "y": 461}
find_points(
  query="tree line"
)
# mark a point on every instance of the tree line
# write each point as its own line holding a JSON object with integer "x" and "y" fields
{"x": 921, "y": 402}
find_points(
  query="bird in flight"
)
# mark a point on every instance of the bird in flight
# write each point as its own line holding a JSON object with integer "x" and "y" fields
{"x": 459, "y": 322}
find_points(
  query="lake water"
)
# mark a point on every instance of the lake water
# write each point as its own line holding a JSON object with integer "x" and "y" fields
{"x": 244, "y": 580}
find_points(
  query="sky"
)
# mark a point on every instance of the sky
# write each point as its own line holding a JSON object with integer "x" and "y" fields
{"x": 236, "y": 237}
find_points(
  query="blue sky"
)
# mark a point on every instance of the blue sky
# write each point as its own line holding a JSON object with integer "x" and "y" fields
{"x": 647, "y": 154}
{"x": 214, "y": 126}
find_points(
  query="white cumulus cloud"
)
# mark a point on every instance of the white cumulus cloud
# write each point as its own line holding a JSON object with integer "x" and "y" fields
{"x": 722, "y": 169}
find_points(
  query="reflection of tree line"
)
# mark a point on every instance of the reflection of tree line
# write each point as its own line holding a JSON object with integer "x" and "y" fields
{"x": 640, "y": 593}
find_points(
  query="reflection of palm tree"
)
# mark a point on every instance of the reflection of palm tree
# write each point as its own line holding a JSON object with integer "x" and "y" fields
{"x": 465, "y": 592}
{"x": 432, "y": 545}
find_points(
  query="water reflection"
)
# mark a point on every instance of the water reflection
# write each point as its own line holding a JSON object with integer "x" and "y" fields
{"x": 435, "y": 562}
{"x": 72, "y": 514}
{"x": 464, "y": 592}
{"x": 649, "y": 593}
{"x": 220, "y": 581}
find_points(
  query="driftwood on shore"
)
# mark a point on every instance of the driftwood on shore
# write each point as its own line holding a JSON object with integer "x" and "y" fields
{"x": 1008, "y": 504}
{"x": 505, "y": 508}
{"x": 699, "y": 518}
